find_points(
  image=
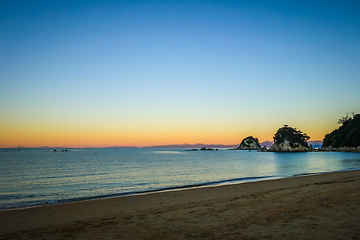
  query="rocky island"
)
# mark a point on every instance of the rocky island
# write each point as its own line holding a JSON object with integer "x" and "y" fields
{"x": 249, "y": 143}
{"x": 288, "y": 139}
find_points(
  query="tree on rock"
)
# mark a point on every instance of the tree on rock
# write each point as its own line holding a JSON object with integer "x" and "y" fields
{"x": 347, "y": 135}
{"x": 288, "y": 139}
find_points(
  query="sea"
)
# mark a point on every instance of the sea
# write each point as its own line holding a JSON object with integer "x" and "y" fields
{"x": 35, "y": 177}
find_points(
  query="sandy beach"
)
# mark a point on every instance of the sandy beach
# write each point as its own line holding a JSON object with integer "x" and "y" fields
{"x": 325, "y": 206}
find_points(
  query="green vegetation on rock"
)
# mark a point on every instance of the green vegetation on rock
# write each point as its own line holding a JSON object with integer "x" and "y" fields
{"x": 291, "y": 136}
{"x": 249, "y": 143}
{"x": 347, "y": 135}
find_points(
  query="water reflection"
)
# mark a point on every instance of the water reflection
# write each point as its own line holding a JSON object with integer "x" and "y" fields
{"x": 314, "y": 162}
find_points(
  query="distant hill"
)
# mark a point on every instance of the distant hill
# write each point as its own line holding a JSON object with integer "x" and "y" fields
{"x": 316, "y": 144}
{"x": 267, "y": 144}
{"x": 197, "y": 145}
{"x": 122, "y": 147}
{"x": 347, "y": 135}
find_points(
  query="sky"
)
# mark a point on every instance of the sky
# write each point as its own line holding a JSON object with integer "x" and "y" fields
{"x": 141, "y": 73}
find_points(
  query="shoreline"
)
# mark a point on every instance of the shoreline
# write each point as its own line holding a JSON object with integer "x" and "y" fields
{"x": 161, "y": 190}
{"x": 176, "y": 188}
{"x": 278, "y": 208}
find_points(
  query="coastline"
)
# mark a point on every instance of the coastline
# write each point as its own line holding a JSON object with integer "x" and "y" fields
{"x": 313, "y": 206}
{"x": 175, "y": 188}
{"x": 203, "y": 169}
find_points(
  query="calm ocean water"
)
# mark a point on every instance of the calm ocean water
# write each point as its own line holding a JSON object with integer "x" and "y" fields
{"x": 37, "y": 177}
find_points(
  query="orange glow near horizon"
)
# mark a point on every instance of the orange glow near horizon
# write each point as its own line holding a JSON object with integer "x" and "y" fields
{"x": 137, "y": 135}
{"x": 107, "y": 131}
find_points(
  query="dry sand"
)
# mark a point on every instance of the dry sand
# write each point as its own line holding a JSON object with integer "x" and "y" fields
{"x": 325, "y": 206}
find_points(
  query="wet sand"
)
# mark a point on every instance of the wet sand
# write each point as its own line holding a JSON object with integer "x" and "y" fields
{"x": 325, "y": 206}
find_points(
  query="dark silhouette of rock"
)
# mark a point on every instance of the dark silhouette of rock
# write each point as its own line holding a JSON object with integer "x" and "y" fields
{"x": 206, "y": 149}
{"x": 288, "y": 139}
{"x": 249, "y": 143}
{"x": 286, "y": 147}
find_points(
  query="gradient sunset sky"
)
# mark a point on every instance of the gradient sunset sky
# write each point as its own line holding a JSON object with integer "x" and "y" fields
{"x": 139, "y": 73}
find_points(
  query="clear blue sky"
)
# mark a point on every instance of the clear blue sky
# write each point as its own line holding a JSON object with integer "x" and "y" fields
{"x": 106, "y": 73}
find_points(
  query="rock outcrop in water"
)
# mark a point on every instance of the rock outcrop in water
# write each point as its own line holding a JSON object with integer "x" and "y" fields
{"x": 206, "y": 149}
{"x": 249, "y": 143}
{"x": 286, "y": 147}
{"x": 288, "y": 139}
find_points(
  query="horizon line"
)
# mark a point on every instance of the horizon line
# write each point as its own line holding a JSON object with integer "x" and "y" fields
{"x": 149, "y": 146}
